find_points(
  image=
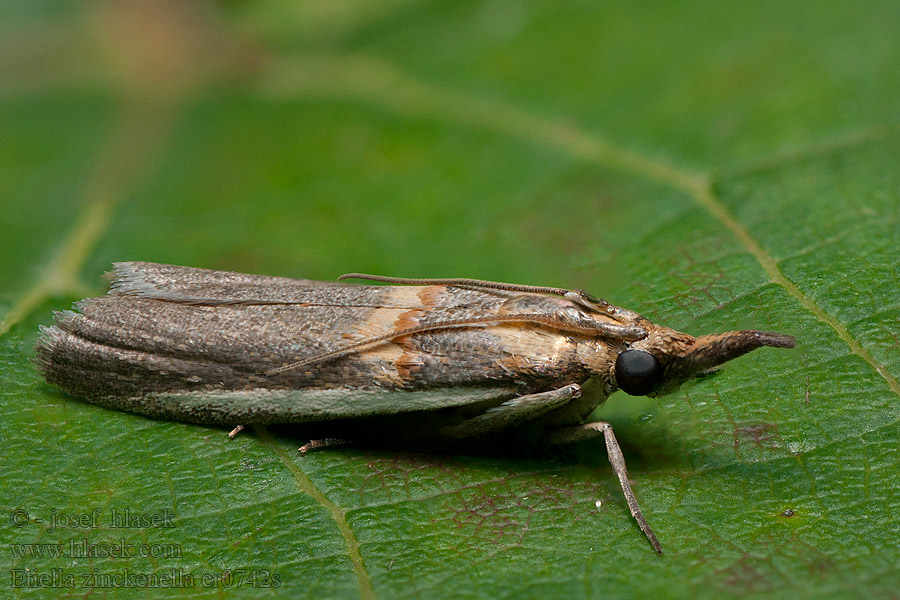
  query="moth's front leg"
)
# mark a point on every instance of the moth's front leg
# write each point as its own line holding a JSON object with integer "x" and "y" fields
{"x": 567, "y": 435}
{"x": 514, "y": 412}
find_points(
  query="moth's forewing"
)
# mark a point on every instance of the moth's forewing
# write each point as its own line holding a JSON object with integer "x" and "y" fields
{"x": 198, "y": 345}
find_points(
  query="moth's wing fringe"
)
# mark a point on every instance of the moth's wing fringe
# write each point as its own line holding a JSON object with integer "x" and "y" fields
{"x": 131, "y": 279}
{"x": 47, "y": 340}
{"x": 192, "y": 285}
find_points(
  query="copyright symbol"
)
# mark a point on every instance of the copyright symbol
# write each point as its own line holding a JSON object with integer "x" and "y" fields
{"x": 18, "y": 518}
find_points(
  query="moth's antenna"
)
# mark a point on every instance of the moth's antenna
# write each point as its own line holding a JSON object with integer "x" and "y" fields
{"x": 610, "y": 329}
{"x": 495, "y": 285}
{"x": 579, "y": 297}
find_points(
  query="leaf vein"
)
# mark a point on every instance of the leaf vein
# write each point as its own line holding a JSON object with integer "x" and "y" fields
{"x": 305, "y": 484}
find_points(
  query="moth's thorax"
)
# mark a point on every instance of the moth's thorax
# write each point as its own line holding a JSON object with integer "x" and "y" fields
{"x": 598, "y": 356}
{"x": 535, "y": 353}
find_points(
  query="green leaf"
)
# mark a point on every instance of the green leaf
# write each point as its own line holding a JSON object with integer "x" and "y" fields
{"x": 714, "y": 166}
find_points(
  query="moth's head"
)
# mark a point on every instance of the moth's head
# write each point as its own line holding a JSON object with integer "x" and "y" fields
{"x": 665, "y": 358}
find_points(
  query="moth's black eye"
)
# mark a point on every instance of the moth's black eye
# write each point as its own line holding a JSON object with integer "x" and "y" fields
{"x": 637, "y": 372}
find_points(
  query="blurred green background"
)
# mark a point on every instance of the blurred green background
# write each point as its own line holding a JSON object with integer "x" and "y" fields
{"x": 712, "y": 165}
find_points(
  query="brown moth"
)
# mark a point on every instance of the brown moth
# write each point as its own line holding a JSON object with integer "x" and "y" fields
{"x": 429, "y": 359}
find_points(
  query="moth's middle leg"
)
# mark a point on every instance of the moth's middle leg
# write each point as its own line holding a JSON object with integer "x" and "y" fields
{"x": 514, "y": 412}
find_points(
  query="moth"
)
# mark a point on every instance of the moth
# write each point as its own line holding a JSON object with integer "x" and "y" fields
{"x": 422, "y": 359}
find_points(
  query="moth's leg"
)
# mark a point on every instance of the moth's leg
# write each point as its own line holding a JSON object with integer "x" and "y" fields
{"x": 307, "y": 447}
{"x": 311, "y": 445}
{"x": 519, "y": 410}
{"x": 323, "y": 443}
{"x": 567, "y": 435}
